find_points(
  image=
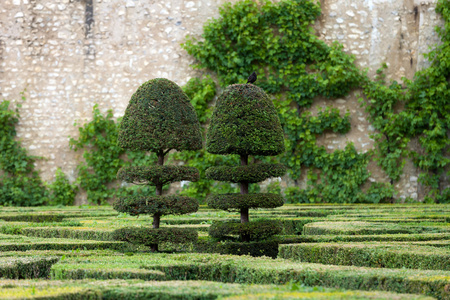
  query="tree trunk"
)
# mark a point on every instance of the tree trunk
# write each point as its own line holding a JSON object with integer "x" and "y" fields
{"x": 157, "y": 217}
{"x": 244, "y": 190}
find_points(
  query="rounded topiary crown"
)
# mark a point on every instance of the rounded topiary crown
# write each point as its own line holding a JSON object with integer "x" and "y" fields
{"x": 244, "y": 122}
{"x": 160, "y": 116}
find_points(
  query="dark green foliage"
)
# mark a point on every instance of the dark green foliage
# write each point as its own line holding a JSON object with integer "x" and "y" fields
{"x": 149, "y": 236}
{"x": 20, "y": 183}
{"x": 160, "y": 117}
{"x": 62, "y": 192}
{"x": 250, "y": 173}
{"x": 162, "y": 205}
{"x": 157, "y": 175}
{"x": 244, "y": 122}
{"x": 267, "y": 248}
{"x": 257, "y": 230}
{"x": 234, "y": 202}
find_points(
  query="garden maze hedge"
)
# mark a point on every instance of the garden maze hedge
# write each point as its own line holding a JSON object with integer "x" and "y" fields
{"x": 320, "y": 252}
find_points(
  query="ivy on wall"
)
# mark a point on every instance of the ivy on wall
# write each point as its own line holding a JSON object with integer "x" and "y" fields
{"x": 103, "y": 158}
{"x": 425, "y": 118}
{"x": 20, "y": 183}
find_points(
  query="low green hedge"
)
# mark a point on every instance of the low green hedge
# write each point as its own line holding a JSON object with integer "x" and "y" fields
{"x": 378, "y": 255}
{"x": 26, "y": 267}
{"x": 155, "y": 175}
{"x": 294, "y": 239}
{"x": 250, "y": 173}
{"x": 68, "y": 233}
{"x": 185, "y": 290}
{"x": 233, "y": 202}
{"x": 62, "y": 244}
{"x": 267, "y": 248}
{"x": 252, "y": 270}
{"x": 257, "y": 230}
{"x": 148, "y": 236}
{"x": 361, "y": 228}
{"x": 163, "y": 205}
{"x": 84, "y": 273}
{"x": 39, "y": 218}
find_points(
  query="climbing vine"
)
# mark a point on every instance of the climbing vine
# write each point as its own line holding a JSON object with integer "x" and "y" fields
{"x": 20, "y": 183}
{"x": 424, "y": 118}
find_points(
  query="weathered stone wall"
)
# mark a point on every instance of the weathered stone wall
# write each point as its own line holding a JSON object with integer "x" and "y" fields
{"x": 71, "y": 54}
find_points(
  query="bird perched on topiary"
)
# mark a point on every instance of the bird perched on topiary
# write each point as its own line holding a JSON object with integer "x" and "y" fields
{"x": 252, "y": 78}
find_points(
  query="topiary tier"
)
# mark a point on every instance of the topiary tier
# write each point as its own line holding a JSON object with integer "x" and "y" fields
{"x": 250, "y": 173}
{"x": 152, "y": 236}
{"x": 233, "y": 202}
{"x": 245, "y": 122}
{"x": 257, "y": 230}
{"x": 159, "y": 118}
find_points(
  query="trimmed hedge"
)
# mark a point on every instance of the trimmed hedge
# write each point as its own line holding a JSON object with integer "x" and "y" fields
{"x": 245, "y": 269}
{"x": 168, "y": 290}
{"x": 267, "y": 248}
{"x": 257, "y": 230}
{"x": 38, "y": 218}
{"x": 250, "y": 173}
{"x": 69, "y": 233}
{"x": 294, "y": 239}
{"x": 61, "y": 244}
{"x": 162, "y": 205}
{"x": 26, "y": 267}
{"x": 155, "y": 175}
{"x": 244, "y": 121}
{"x": 148, "y": 236}
{"x": 234, "y": 202}
{"x": 111, "y": 273}
{"x": 160, "y": 116}
{"x": 360, "y": 228}
{"x": 379, "y": 255}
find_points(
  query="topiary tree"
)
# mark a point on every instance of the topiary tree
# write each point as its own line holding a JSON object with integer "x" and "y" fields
{"x": 159, "y": 118}
{"x": 245, "y": 122}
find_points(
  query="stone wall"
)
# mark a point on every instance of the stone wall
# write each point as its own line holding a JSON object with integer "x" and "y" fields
{"x": 71, "y": 54}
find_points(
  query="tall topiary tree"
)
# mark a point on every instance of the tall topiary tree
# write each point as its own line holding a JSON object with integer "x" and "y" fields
{"x": 159, "y": 118}
{"x": 245, "y": 122}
